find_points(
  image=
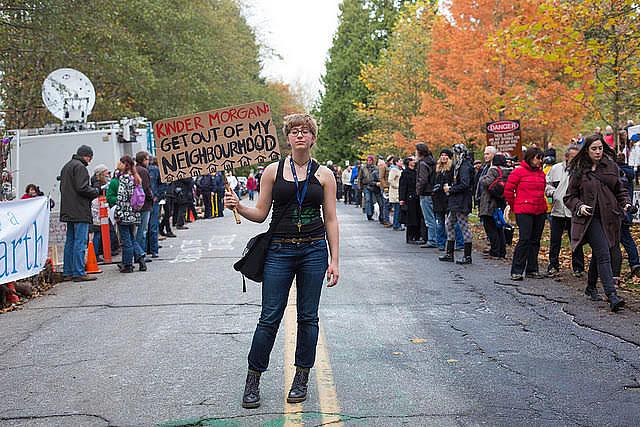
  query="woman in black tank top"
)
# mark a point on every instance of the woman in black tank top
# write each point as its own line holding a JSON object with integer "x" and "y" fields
{"x": 304, "y": 205}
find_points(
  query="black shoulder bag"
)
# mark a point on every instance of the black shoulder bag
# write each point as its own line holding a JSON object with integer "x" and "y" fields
{"x": 251, "y": 265}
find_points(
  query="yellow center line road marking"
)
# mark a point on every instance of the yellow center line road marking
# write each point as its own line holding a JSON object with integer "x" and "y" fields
{"x": 326, "y": 386}
{"x": 290, "y": 330}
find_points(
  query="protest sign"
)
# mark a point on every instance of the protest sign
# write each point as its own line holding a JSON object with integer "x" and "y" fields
{"x": 24, "y": 238}
{"x": 505, "y": 136}
{"x": 633, "y": 130}
{"x": 211, "y": 141}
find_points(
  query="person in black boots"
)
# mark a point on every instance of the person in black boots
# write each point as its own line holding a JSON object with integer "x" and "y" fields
{"x": 598, "y": 200}
{"x": 491, "y": 200}
{"x": 303, "y": 195}
{"x": 411, "y": 213}
{"x": 168, "y": 210}
{"x": 460, "y": 194}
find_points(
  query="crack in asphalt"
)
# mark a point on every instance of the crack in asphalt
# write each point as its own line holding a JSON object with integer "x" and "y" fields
{"x": 572, "y": 316}
{"x": 58, "y": 365}
{"x": 114, "y": 306}
{"x": 596, "y": 329}
{"x": 30, "y": 334}
{"x": 44, "y": 417}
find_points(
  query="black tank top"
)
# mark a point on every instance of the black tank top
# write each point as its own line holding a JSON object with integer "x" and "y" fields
{"x": 284, "y": 192}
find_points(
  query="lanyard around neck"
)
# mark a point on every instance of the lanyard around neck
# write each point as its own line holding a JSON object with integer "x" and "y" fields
{"x": 300, "y": 195}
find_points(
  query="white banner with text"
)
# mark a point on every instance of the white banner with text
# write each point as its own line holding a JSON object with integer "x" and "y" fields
{"x": 24, "y": 238}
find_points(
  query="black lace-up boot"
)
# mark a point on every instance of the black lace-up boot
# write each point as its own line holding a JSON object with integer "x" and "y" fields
{"x": 298, "y": 392}
{"x": 251, "y": 397}
{"x": 448, "y": 256}
{"x": 466, "y": 259}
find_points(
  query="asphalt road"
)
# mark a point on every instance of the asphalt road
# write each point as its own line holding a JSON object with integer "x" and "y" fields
{"x": 405, "y": 340}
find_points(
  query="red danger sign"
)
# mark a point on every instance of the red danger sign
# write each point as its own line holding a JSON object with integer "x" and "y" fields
{"x": 503, "y": 126}
{"x": 505, "y": 136}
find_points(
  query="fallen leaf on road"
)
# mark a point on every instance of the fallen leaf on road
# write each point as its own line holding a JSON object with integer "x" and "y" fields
{"x": 418, "y": 340}
{"x": 397, "y": 353}
{"x": 452, "y": 361}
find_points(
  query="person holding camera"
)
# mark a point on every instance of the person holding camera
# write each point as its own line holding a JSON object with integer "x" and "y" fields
{"x": 460, "y": 194}
{"x": 557, "y": 180}
{"x": 598, "y": 200}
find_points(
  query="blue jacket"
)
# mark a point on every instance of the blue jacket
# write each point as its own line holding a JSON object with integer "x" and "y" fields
{"x": 354, "y": 175}
{"x": 158, "y": 188}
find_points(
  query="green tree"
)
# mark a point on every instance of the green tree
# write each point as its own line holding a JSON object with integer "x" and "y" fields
{"x": 363, "y": 31}
{"x": 598, "y": 41}
{"x": 156, "y": 58}
{"x": 398, "y": 80}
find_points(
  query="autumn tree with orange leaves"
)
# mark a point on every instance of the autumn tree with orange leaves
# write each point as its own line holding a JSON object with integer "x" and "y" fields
{"x": 475, "y": 84}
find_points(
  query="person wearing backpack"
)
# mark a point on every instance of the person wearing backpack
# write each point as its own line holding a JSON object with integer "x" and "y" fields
{"x": 491, "y": 190}
{"x": 142, "y": 165}
{"x": 557, "y": 180}
{"x": 524, "y": 192}
{"x": 127, "y": 216}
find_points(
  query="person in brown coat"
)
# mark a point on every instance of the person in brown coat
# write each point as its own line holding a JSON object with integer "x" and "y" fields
{"x": 597, "y": 199}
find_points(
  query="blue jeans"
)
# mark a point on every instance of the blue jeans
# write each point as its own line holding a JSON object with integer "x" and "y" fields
{"x": 152, "y": 237}
{"x": 130, "y": 248}
{"x": 75, "y": 249}
{"x": 308, "y": 263}
{"x": 143, "y": 229}
{"x": 629, "y": 245}
{"x": 370, "y": 198}
{"x": 426, "y": 204}
{"x": 386, "y": 207}
{"x": 396, "y": 215}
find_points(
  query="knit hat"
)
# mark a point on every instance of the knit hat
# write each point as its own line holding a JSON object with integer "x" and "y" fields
{"x": 370, "y": 156}
{"x": 447, "y": 151}
{"x": 84, "y": 151}
{"x": 99, "y": 169}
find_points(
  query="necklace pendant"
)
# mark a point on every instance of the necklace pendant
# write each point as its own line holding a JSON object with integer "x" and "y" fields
{"x": 299, "y": 226}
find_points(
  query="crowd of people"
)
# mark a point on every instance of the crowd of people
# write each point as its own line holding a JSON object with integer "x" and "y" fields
{"x": 587, "y": 195}
{"x": 142, "y": 209}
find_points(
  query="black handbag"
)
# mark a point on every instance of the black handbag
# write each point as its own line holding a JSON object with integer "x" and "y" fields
{"x": 251, "y": 265}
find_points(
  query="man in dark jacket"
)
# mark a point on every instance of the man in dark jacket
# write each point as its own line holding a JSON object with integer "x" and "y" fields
{"x": 369, "y": 181}
{"x": 159, "y": 189}
{"x": 206, "y": 186}
{"x": 142, "y": 164}
{"x": 183, "y": 190}
{"x": 424, "y": 188}
{"x": 75, "y": 209}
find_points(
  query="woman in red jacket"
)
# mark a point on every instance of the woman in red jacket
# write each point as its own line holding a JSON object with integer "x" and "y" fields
{"x": 524, "y": 192}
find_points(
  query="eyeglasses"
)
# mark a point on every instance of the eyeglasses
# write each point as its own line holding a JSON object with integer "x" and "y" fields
{"x": 295, "y": 132}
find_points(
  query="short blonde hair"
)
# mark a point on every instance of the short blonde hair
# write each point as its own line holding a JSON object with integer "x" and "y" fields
{"x": 299, "y": 119}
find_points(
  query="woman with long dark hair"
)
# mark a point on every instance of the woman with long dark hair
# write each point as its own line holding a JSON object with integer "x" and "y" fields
{"x": 303, "y": 195}
{"x": 524, "y": 192}
{"x": 127, "y": 218}
{"x": 598, "y": 200}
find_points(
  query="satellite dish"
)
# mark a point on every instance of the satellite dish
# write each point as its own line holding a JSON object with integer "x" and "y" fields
{"x": 69, "y": 95}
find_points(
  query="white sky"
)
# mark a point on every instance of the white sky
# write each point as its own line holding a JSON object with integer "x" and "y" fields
{"x": 299, "y": 34}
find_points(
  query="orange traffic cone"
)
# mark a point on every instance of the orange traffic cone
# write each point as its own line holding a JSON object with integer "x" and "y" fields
{"x": 92, "y": 262}
{"x": 191, "y": 218}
